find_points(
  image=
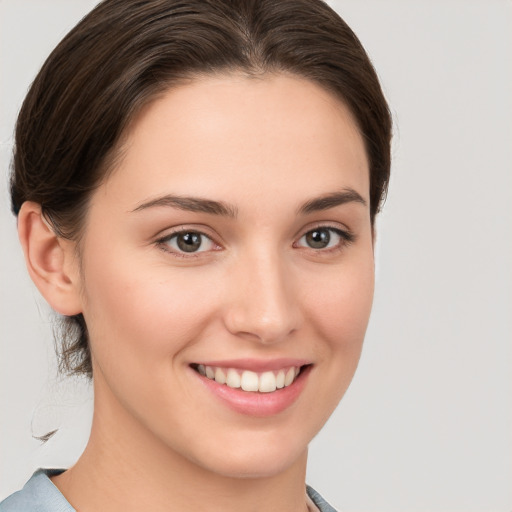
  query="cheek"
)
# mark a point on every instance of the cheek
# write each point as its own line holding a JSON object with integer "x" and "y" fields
{"x": 338, "y": 309}
{"x": 342, "y": 305}
{"x": 141, "y": 314}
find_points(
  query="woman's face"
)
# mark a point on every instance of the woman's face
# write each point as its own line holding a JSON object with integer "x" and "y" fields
{"x": 233, "y": 241}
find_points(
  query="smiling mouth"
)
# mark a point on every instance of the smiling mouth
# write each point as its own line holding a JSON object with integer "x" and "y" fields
{"x": 247, "y": 380}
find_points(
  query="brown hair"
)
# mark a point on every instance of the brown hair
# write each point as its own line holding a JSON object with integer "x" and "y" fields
{"x": 126, "y": 52}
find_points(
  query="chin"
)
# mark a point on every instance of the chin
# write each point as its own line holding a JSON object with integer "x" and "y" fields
{"x": 257, "y": 459}
{"x": 259, "y": 465}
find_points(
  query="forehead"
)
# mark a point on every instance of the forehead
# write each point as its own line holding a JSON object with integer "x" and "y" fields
{"x": 232, "y": 133}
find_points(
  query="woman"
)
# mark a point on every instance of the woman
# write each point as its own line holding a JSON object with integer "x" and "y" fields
{"x": 196, "y": 185}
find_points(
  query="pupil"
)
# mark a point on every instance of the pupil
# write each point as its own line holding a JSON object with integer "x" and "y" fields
{"x": 318, "y": 238}
{"x": 189, "y": 242}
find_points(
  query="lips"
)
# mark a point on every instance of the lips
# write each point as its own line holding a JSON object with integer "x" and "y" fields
{"x": 255, "y": 388}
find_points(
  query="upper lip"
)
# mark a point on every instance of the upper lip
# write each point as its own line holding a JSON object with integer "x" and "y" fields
{"x": 256, "y": 365}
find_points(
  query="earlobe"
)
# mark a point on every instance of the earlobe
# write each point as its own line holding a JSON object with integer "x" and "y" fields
{"x": 50, "y": 260}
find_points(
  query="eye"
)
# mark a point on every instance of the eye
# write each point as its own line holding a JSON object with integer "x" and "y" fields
{"x": 187, "y": 242}
{"x": 324, "y": 238}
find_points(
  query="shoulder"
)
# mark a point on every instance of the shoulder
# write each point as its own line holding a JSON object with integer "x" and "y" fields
{"x": 317, "y": 499}
{"x": 38, "y": 495}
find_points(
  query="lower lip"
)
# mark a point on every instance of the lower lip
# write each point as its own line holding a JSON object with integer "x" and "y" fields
{"x": 254, "y": 403}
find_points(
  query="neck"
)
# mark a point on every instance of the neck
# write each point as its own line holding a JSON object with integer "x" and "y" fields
{"x": 125, "y": 467}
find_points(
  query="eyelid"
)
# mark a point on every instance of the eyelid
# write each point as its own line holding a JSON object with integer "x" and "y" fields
{"x": 347, "y": 236}
{"x": 162, "y": 240}
{"x": 335, "y": 226}
{"x": 186, "y": 228}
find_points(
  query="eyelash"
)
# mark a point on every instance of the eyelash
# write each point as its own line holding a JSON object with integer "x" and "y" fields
{"x": 346, "y": 238}
{"x": 163, "y": 243}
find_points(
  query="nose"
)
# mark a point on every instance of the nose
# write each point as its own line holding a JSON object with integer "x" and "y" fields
{"x": 263, "y": 305}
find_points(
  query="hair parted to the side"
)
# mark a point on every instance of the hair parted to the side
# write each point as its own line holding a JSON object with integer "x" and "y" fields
{"x": 125, "y": 53}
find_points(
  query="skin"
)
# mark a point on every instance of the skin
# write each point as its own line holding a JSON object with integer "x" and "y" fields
{"x": 264, "y": 147}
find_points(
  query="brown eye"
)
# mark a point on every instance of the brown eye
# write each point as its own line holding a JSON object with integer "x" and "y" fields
{"x": 188, "y": 242}
{"x": 318, "y": 238}
{"x": 324, "y": 238}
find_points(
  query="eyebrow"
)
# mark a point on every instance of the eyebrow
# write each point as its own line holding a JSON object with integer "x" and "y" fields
{"x": 191, "y": 204}
{"x": 331, "y": 200}
{"x": 198, "y": 204}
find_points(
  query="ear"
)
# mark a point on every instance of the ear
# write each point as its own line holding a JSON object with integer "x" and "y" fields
{"x": 51, "y": 261}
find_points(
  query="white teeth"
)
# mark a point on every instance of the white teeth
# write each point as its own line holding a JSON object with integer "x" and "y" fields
{"x": 280, "y": 379}
{"x": 249, "y": 381}
{"x": 220, "y": 376}
{"x": 290, "y": 375}
{"x": 265, "y": 382}
{"x": 232, "y": 378}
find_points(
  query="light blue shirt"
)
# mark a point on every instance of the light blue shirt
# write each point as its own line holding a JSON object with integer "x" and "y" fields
{"x": 40, "y": 495}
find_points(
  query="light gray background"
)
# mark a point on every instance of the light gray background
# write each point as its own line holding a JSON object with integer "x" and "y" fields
{"x": 427, "y": 423}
